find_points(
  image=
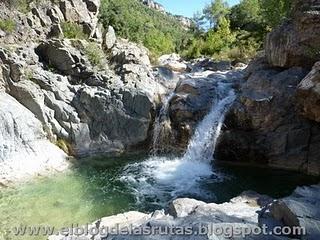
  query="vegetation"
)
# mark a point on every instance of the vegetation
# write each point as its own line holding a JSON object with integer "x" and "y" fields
{"x": 132, "y": 20}
{"x": 95, "y": 54}
{"x": 220, "y": 31}
{"x": 25, "y": 6}
{"x": 7, "y": 25}
{"x": 73, "y": 30}
{"x": 235, "y": 33}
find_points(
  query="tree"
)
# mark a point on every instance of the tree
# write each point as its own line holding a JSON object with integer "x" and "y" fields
{"x": 246, "y": 14}
{"x": 215, "y": 11}
{"x": 219, "y": 39}
{"x": 274, "y": 11}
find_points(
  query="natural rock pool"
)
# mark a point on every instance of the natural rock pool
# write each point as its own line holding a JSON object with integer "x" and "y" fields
{"x": 107, "y": 186}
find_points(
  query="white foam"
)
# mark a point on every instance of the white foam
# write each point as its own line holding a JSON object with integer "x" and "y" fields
{"x": 162, "y": 178}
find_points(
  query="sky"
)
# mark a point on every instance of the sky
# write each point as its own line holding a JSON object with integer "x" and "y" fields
{"x": 187, "y": 7}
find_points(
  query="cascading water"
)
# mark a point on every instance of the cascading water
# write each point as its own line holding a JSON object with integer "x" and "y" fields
{"x": 161, "y": 124}
{"x": 160, "y": 179}
{"x": 203, "y": 142}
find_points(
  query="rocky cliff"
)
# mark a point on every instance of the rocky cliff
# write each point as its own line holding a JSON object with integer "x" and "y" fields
{"x": 274, "y": 120}
{"x": 90, "y": 96}
{"x": 184, "y": 21}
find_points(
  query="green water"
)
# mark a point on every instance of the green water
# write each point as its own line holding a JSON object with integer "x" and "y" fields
{"x": 89, "y": 192}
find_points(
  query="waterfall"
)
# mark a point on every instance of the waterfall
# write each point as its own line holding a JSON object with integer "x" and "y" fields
{"x": 163, "y": 178}
{"x": 203, "y": 142}
{"x": 161, "y": 130}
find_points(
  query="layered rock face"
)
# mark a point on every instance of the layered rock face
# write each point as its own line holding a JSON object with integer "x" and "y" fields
{"x": 92, "y": 97}
{"x": 154, "y": 5}
{"x": 24, "y": 148}
{"x": 91, "y": 109}
{"x": 44, "y": 19}
{"x": 297, "y": 41}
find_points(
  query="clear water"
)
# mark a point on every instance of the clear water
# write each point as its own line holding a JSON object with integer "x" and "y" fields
{"x": 89, "y": 192}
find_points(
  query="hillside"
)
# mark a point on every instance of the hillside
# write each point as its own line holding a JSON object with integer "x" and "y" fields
{"x": 160, "y": 33}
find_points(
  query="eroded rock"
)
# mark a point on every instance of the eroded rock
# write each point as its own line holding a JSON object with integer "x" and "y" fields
{"x": 24, "y": 148}
{"x": 263, "y": 126}
{"x": 296, "y": 42}
{"x": 308, "y": 94}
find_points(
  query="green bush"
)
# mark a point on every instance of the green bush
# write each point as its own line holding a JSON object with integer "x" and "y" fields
{"x": 7, "y": 25}
{"x": 73, "y": 31}
{"x": 94, "y": 54}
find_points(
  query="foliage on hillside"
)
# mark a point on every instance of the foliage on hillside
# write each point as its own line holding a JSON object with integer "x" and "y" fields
{"x": 238, "y": 32}
{"x": 132, "y": 20}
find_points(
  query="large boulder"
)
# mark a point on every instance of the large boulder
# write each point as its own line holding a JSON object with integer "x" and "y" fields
{"x": 24, "y": 148}
{"x": 173, "y": 62}
{"x": 211, "y": 65}
{"x": 308, "y": 94}
{"x": 101, "y": 108}
{"x": 297, "y": 41}
{"x": 61, "y": 55}
{"x": 110, "y": 38}
{"x": 263, "y": 126}
{"x": 131, "y": 62}
{"x": 297, "y": 210}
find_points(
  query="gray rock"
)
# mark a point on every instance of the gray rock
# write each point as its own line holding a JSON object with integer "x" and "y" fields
{"x": 183, "y": 207}
{"x": 211, "y": 65}
{"x": 173, "y": 62}
{"x": 109, "y": 38}
{"x": 129, "y": 109}
{"x": 192, "y": 100}
{"x": 24, "y": 148}
{"x": 55, "y": 31}
{"x": 37, "y": 24}
{"x": 61, "y": 55}
{"x": 3, "y": 84}
{"x": 296, "y": 42}
{"x": 240, "y": 213}
{"x": 298, "y": 210}
{"x": 308, "y": 94}
{"x": 263, "y": 126}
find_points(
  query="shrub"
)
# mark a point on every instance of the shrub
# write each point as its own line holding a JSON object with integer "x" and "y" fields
{"x": 73, "y": 30}
{"x": 94, "y": 54}
{"x": 7, "y": 25}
